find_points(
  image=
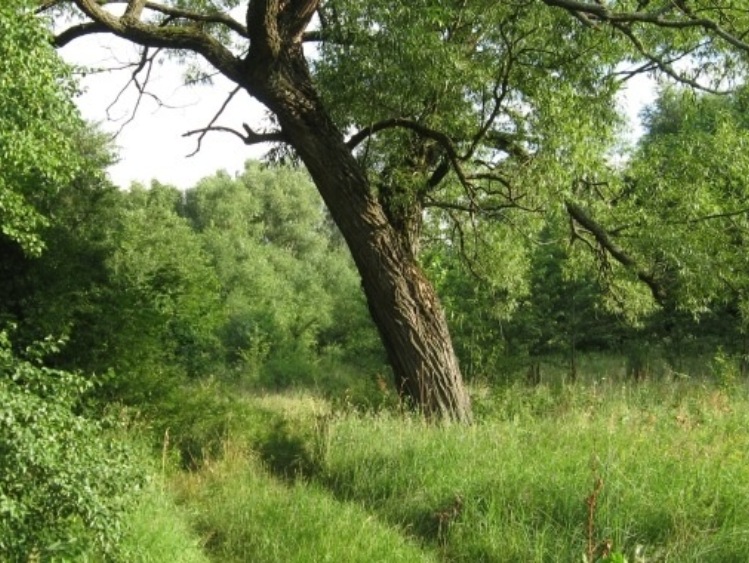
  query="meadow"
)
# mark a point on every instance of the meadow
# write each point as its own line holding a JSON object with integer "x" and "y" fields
{"x": 602, "y": 469}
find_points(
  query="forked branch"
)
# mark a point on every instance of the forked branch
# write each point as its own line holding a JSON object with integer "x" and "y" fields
{"x": 443, "y": 140}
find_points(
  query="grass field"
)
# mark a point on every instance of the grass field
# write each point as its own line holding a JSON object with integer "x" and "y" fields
{"x": 657, "y": 471}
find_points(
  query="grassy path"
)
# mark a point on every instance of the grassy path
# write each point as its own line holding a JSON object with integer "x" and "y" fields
{"x": 658, "y": 472}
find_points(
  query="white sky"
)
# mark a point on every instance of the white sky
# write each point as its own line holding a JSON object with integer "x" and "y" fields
{"x": 152, "y": 146}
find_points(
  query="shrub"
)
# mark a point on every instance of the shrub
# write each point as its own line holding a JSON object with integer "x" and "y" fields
{"x": 64, "y": 480}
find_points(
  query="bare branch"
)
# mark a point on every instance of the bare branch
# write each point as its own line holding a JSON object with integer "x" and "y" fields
{"x": 219, "y": 128}
{"x": 218, "y": 114}
{"x": 166, "y": 36}
{"x": 250, "y": 137}
{"x": 143, "y": 66}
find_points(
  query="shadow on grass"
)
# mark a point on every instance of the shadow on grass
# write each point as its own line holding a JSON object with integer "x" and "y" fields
{"x": 285, "y": 453}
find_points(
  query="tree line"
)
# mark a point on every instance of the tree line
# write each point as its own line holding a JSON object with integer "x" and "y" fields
{"x": 247, "y": 277}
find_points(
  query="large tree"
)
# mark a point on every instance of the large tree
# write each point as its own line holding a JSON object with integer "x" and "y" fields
{"x": 467, "y": 106}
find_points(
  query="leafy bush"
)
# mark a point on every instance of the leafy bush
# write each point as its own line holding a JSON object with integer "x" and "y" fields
{"x": 64, "y": 481}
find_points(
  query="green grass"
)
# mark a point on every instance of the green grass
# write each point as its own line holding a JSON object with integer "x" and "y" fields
{"x": 672, "y": 458}
{"x": 245, "y": 515}
{"x": 301, "y": 482}
{"x": 157, "y": 530}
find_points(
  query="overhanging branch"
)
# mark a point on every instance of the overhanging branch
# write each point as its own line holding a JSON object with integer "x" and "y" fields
{"x": 620, "y": 255}
{"x": 158, "y": 35}
{"x": 78, "y": 31}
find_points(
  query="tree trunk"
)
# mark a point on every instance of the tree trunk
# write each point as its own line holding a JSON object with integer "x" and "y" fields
{"x": 402, "y": 302}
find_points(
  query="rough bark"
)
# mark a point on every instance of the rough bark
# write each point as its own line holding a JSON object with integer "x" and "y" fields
{"x": 403, "y": 303}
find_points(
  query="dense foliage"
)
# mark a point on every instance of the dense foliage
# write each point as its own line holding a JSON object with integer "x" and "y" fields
{"x": 37, "y": 119}
{"x": 289, "y": 293}
{"x": 64, "y": 482}
{"x": 65, "y": 479}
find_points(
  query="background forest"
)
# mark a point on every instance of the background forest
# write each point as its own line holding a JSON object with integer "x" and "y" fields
{"x": 195, "y": 375}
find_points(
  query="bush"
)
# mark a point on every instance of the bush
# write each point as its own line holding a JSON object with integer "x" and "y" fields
{"x": 64, "y": 480}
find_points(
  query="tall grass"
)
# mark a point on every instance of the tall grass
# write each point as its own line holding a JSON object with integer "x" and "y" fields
{"x": 672, "y": 460}
{"x": 658, "y": 471}
{"x": 157, "y": 530}
{"x": 246, "y": 515}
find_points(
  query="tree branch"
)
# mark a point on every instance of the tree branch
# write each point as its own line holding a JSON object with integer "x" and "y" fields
{"x": 165, "y": 36}
{"x": 78, "y": 31}
{"x": 681, "y": 18}
{"x": 212, "y": 122}
{"x": 422, "y": 130}
{"x": 723, "y": 215}
{"x": 604, "y": 240}
{"x": 484, "y": 210}
{"x": 145, "y": 63}
{"x": 664, "y": 66}
{"x": 249, "y": 138}
{"x": 134, "y": 10}
{"x": 275, "y": 24}
{"x": 216, "y": 18}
